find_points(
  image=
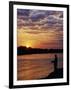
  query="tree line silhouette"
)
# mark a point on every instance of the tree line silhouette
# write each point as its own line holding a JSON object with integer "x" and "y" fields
{"x": 24, "y": 50}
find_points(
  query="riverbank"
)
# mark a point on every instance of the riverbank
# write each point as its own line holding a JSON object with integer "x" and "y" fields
{"x": 57, "y": 74}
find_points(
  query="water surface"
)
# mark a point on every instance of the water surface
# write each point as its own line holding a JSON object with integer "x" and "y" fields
{"x": 36, "y": 66}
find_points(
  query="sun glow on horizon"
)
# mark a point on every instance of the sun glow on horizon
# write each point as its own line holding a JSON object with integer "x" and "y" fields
{"x": 27, "y": 46}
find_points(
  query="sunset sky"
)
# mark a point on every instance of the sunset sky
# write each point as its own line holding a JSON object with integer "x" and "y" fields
{"x": 40, "y": 28}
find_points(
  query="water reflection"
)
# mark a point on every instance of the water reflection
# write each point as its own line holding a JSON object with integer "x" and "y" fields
{"x": 36, "y": 66}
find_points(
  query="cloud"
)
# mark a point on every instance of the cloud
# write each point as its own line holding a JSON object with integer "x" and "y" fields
{"x": 23, "y": 12}
{"x": 36, "y": 15}
{"x": 39, "y": 19}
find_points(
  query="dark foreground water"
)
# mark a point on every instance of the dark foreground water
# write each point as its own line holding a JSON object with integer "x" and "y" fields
{"x": 36, "y": 66}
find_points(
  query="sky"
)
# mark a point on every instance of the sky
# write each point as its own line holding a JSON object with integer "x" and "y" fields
{"x": 40, "y": 28}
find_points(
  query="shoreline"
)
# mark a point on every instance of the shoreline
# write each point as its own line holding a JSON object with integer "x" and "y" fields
{"x": 56, "y": 74}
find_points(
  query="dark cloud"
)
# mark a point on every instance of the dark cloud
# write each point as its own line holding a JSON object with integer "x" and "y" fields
{"x": 23, "y": 12}
{"x": 39, "y": 19}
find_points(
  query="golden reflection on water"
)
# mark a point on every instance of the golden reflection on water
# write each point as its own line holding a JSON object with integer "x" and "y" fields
{"x": 34, "y": 66}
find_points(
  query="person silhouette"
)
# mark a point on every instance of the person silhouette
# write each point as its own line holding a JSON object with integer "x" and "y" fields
{"x": 55, "y": 63}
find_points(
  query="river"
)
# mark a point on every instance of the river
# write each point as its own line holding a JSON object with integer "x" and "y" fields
{"x": 36, "y": 66}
